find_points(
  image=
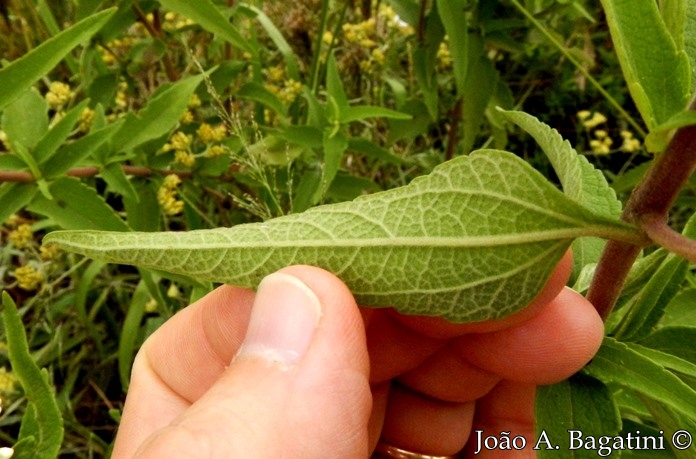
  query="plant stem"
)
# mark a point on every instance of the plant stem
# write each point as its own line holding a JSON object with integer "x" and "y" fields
{"x": 648, "y": 207}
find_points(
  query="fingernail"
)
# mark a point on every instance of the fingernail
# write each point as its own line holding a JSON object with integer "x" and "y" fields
{"x": 283, "y": 320}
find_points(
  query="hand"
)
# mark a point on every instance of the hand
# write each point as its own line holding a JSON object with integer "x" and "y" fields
{"x": 317, "y": 377}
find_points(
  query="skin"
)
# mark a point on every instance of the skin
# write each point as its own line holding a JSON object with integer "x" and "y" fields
{"x": 418, "y": 383}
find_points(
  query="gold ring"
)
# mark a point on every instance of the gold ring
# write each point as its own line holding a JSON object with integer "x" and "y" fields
{"x": 386, "y": 451}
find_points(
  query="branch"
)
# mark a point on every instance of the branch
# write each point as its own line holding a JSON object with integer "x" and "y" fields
{"x": 84, "y": 172}
{"x": 648, "y": 207}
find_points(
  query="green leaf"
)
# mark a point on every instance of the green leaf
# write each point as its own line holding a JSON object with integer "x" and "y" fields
{"x": 375, "y": 152}
{"x": 670, "y": 422}
{"x": 22, "y": 73}
{"x": 580, "y": 180}
{"x": 278, "y": 39}
{"x": 453, "y": 15}
{"x": 680, "y": 310}
{"x": 477, "y": 91}
{"x": 25, "y": 120}
{"x": 58, "y": 133}
{"x": 47, "y": 418}
{"x": 474, "y": 240}
{"x": 71, "y": 154}
{"x": 130, "y": 333}
{"x": 675, "y": 340}
{"x": 621, "y": 363}
{"x": 657, "y": 139}
{"x": 334, "y": 147}
{"x": 334, "y": 85}
{"x": 205, "y": 13}
{"x": 362, "y": 112}
{"x": 114, "y": 176}
{"x": 651, "y": 302}
{"x": 578, "y": 404}
{"x": 690, "y": 39}
{"x": 77, "y": 206}
{"x": 158, "y": 117}
{"x": 657, "y": 73}
{"x": 14, "y": 196}
{"x": 257, "y": 93}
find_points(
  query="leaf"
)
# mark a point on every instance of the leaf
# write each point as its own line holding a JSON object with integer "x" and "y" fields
{"x": 14, "y": 196}
{"x": 621, "y": 363}
{"x": 657, "y": 139}
{"x": 256, "y": 92}
{"x": 474, "y": 240}
{"x": 278, "y": 39}
{"x": 77, "y": 206}
{"x": 581, "y": 181}
{"x": 477, "y": 91}
{"x": 690, "y": 39}
{"x": 54, "y": 138}
{"x": 47, "y": 420}
{"x": 362, "y": 112}
{"x": 650, "y": 303}
{"x": 21, "y": 74}
{"x": 205, "y": 13}
{"x": 130, "y": 333}
{"x": 642, "y": 40}
{"x": 25, "y": 120}
{"x": 578, "y": 404}
{"x": 671, "y": 422}
{"x": 159, "y": 116}
{"x": 680, "y": 310}
{"x": 675, "y": 340}
{"x": 453, "y": 15}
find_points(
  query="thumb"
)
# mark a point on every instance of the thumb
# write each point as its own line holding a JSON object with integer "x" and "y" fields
{"x": 298, "y": 387}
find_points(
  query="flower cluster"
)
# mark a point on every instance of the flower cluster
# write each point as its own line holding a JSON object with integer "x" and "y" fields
{"x": 284, "y": 88}
{"x": 167, "y": 195}
{"x": 58, "y": 95}
{"x": 28, "y": 277}
{"x": 602, "y": 142}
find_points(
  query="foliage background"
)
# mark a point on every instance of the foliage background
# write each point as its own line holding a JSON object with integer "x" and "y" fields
{"x": 296, "y": 104}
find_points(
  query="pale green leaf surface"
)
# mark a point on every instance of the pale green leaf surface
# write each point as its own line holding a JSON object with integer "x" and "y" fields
{"x": 22, "y": 73}
{"x": 657, "y": 73}
{"x": 580, "y": 180}
{"x": 474, "y": 240}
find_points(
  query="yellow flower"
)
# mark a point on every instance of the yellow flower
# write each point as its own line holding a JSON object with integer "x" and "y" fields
{"x": 48, "y": 252}
{"x": 215, "y": 151}
{"x": 368, "y": 43}
{"x": 171, "y": 181}
{"x": 86, "y": 119}
{"x": 8, "y": 381}
{"x": 181, "y": 141}
{"x": 167, "y": 194}
{"x": 630, "y": 144}
{"x": 276, "y": 73}
{"x": 28, "y": 278}
{"x": 210, "y": 134}
{"x": 22, "y": 236}
{"x": 187, "y": 117}
{"x": 58, "y": 95}
{"x": 327, "y": 37}
{"x": 194, "y": 101}
{"x": 584, "y": 114}
{"x": 378, "y": 56}
{"x": 596, "y": 119}
{"x": 601, "y": 133}
{"x": 185, "y": 158}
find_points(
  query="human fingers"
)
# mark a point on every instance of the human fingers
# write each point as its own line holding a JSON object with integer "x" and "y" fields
{"x": 398, "y": 343}
{"x": 304, "y": 354}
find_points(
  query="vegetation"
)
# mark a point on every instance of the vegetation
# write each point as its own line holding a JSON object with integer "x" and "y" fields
{"x": 152, "y": 116}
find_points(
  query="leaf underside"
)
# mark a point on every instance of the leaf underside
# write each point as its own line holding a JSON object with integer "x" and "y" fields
{"x": 475, "y": 240}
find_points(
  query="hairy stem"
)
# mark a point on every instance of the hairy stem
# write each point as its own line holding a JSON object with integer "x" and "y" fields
{"x": 648, "y": 207}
